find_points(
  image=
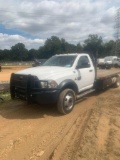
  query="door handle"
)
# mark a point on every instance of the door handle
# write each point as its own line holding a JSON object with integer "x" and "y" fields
{"x": 90, "y": 70}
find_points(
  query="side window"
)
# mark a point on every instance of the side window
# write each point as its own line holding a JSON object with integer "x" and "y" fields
{"x": 83, "y": 62}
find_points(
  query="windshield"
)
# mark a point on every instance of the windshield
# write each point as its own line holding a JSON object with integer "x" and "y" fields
{"x": 62, "y": 61}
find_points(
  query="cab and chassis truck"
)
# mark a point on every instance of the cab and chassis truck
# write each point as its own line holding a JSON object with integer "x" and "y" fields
{"x": 61, "y": 80}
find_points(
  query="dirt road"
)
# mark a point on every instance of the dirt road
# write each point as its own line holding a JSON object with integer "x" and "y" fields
{"x": 90, "y": 132}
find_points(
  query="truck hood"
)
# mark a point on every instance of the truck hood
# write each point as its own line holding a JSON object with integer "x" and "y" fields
{"x": 46, "y": 72}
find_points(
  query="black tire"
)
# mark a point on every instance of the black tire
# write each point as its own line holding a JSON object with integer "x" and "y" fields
{"x": 12, "y": 92}
{"x": 116, "y": 66}
{"x": 66, "y": 101}
{"x": 12, "y": 88}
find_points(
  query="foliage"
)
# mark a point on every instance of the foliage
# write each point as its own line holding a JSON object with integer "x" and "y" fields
{"x": 18, "y": 52}
{"x": 93, "y": 44}
{"x": 54, "y": 45}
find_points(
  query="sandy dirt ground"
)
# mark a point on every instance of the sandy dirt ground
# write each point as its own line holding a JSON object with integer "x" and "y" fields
{"x": 90, "y": 132}
{"x": 6, "y": 72}
{"x": 36, "y": 132}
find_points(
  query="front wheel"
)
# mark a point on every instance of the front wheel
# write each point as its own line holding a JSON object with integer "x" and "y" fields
{"x": 66, "y": 101}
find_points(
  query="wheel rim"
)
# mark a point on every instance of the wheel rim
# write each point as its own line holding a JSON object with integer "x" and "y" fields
{"x": 69, "y": 101}
{"x": 118, "y": 84}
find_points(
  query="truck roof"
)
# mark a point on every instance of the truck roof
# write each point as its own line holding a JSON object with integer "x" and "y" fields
{"x": 65, "y": 54}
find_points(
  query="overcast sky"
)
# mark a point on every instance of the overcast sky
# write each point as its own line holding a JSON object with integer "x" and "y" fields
{"x": 33, "y": 21}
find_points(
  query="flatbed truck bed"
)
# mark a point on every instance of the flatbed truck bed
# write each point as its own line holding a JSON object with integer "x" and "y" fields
{"x": 102, "y": 73}
{"x": 106, "y": 78}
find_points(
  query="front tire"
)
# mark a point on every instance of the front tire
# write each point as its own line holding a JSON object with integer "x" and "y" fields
{"x": 66, "y": 101}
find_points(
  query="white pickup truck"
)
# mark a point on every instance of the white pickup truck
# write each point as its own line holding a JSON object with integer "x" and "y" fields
{"x": 102, "y": 63}
{"x": 62, "y": 80}
{"x": 116, "y": 63}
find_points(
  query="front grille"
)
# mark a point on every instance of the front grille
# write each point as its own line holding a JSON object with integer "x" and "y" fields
{"x": 20, "y": 80}
{"x": 22, "y": 86}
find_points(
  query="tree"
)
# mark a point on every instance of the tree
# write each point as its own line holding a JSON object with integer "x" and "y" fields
{"x": 52, "y": 46}
{"x": 32, "y": 54}
{"x": 79, "y": 48}
{"x": 93, "y": 44}
{"x": 4, "y": 55}
{"x": 109, "y": 48}
{"x": 19, "y": 52}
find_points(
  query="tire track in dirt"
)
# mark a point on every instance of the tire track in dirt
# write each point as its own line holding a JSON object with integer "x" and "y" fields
{"x": 45, "y": 151}
{"x": 96, "y": 136}
{"x": 29, "y": 133}
{"x": 71, "y": 139}
{"x": 40, "y": 133}
{"x": 101, "y": 138}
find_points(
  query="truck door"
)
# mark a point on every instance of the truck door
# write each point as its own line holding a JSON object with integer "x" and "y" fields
{"x": 85, "y": 73}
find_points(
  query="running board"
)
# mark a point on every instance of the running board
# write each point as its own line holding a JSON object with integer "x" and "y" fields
{"x": 85, "y": 93}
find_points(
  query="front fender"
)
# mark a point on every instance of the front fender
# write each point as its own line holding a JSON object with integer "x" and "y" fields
{"x": 68, "y": 84}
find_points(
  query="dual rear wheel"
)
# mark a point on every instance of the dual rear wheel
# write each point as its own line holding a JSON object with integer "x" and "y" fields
{"x": 117, "y": 83}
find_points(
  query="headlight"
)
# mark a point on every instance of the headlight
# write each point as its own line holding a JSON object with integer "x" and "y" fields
{"x": 44, "y": 84}
{"x": 48, "y": 84}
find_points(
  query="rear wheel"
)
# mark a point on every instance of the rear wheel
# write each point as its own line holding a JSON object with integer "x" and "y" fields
{"x": 66, "y": 101}
{"x": 117, "y": 84}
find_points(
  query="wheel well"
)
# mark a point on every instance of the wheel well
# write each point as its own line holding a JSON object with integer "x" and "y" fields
{"x": 70, "y": 86}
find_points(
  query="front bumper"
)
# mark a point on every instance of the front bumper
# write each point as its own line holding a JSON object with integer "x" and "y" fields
{"x": 45, "y": 97}
{"x": 27, "y": 87}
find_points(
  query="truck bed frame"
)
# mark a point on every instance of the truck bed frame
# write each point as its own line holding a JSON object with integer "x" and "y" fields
{"x": 106, "y": 78}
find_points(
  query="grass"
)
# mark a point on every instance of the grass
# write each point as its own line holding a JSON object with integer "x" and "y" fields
{"x": 5, "y": 96}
